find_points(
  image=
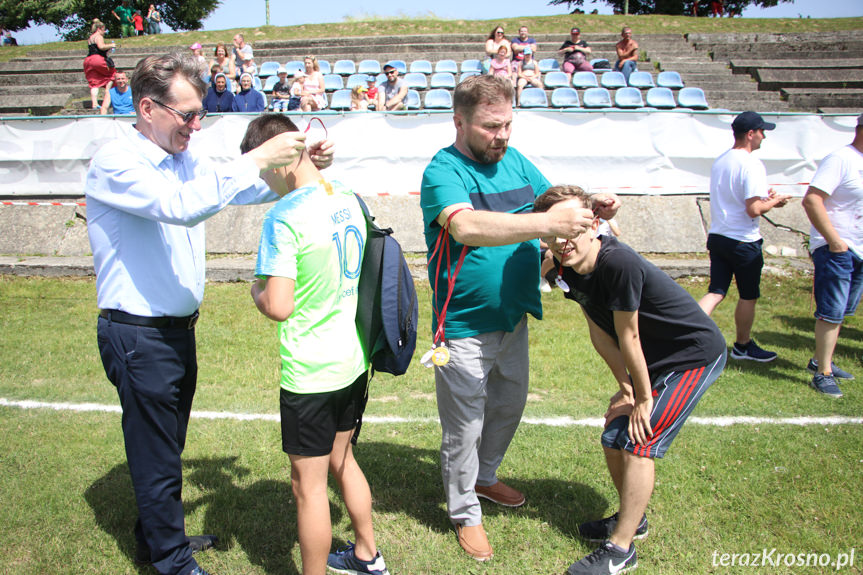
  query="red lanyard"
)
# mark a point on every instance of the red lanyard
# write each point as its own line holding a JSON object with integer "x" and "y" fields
{"x": 442, "y": 244}
{"x": 561, "y": 283}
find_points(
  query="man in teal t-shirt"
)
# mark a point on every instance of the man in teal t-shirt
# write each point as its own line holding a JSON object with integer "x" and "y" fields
{"x": 308, "y": 272}
{"x": 486, "y": 191}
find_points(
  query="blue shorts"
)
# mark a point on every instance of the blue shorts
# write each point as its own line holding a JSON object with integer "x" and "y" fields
{"x": 742, "y": 260}
{"x": 838, "y": 284}
{"x": 310, "y": 421}
{"x": 675, "y": 395}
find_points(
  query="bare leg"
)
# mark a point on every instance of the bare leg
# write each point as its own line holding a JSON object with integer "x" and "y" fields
{"x": 633, "y": 477}
{"x": 744, "y": 317}
{"x": 709, "y": 302}
{"x": 309, "y": 484}
{"x": 356, "y": 494}
{"x": 826, "y": 336}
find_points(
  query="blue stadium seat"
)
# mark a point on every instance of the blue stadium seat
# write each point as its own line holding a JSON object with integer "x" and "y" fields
{"x": 584, "y": 80}
{"x": 355, "y": 80}
{"x": 369, "y": 67}
{"x": 612, "y": 80}
{"x": 324, "y": 65}
{"x": 344, "y": 67}
{"x": 468, "y": 74}
{"x": 256, "y": 84}
{"x": 641, "y": 80}
{"x": 564, "y": 98}
{"x": 294, "y": 65}
{"x": 268, "y": 69}
{"x": 412, "y": 100}
{"x": 442, "y": 80}
{"x": 549, "y": 65}
{"x": 271, "y": 81}
{"x": 380, "y": 79}
{"x": 471, "y": 65}
{"x": 628, "y": 97}
{"x": 596, "y": 98}
{"x": 421, "y": 67}
{"x": 438, "y": 98}
{"x": 601, "y": 65}
{"x": 662, "y": 98}
{"x": 448, "y": 66}
{"x": 341, "y": 100}
{"x": 669, "y": 79}
{"x": 534, "y": 98}
{"x": 416, "y": 80}
{"x": 556, "y": 80}
{"x": 333, "y": 82}
{"x": 692, "y": 98}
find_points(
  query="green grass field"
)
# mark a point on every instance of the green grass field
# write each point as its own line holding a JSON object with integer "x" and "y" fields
{"x": 739, "y": 489}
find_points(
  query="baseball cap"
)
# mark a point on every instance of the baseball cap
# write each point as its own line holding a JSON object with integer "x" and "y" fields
{"x": 390, "y": 64}
{"x": 750, "y": 121}
{"x": 299, "y": 74}
{"x": 370, "y": 78}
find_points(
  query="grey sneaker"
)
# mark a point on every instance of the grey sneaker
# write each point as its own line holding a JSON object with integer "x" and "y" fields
{"x": 837, "y": 372}
{"x": 826, "y": 384}
{"x": 606, "y": 560}
{"x": 752, "y": 351}
{"x": 601, "y": 529}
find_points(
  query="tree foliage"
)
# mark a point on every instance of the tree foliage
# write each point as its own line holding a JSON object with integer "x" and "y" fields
{"x": 73, "y": 17}
{"x": 673, "y": 7}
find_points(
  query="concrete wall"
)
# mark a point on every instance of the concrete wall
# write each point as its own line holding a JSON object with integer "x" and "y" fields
{"x": 656, "y": 224}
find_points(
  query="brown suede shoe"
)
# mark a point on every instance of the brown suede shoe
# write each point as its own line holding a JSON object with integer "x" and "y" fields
{"x": 474, "y": 541}
{"x": 501, "y": 494}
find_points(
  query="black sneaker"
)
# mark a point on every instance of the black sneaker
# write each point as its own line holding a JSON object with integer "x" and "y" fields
{"x": 600, "y": 530}
{"x": 752, "y": 351}
{"x": 606, "y": 560}
{"x": 838, "y": 373}
{"x": 197, "y": 543}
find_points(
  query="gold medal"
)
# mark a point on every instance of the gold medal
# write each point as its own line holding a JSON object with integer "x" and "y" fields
{"x": 440, "y": 356}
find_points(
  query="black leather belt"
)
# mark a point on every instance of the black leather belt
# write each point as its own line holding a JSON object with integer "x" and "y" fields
{"x": 187, "y": 322}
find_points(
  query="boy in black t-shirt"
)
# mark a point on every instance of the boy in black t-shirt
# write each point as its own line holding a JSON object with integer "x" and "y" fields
{"x": 661, "y": 347}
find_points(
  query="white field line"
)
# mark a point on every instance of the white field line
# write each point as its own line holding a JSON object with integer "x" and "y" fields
{"x": 722, "y": 421}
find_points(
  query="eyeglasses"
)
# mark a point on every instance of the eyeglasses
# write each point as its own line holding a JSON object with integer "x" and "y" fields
{"x": 185, "y": 116}
{"x": 390, "y": 72}
{"x": 499, "y": 32}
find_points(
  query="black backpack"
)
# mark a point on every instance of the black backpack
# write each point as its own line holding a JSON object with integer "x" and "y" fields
{"x": 387, "y": 310}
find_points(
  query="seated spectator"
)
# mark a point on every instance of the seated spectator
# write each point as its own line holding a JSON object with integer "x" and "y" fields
{"x": 358, "y": 99}
{"x": 575, "y": 53}
{"x": 154, "y": 20}
{"x": 248, "y": 67}
{"x": 119, "y": 96}
{"x": 627, "y": 53}
{"x": 248, "y": 99}
{"x": 395, "y": 90}
{"x": 219, "y": 98}
{"x": 314, "y": 96}
{"x": 519, "y": 44}
{"x": 198, "y": 52}
{"x": 297, "y": 91}
{"x": 138, "y": 23}
{"x": 371, "y": 93}
{"x": 281, "y": 92}
{"x": 495, "y": 40}
{"x": 527, "y": 73}
{"x": 225, "y": 60}
{"x": 501, "y": 65}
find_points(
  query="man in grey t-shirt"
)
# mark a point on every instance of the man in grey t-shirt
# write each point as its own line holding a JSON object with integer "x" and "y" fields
{"x": 394, "y": 90}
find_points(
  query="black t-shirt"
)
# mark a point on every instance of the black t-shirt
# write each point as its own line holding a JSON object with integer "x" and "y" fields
{"x": 675, "y": 333}
{"x": 570, "y": 56}
{"x": 281, "y": 87}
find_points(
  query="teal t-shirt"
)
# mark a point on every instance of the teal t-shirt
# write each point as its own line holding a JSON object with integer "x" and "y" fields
{"x": 496, "y": 285}
{"x": 315, "y": 235}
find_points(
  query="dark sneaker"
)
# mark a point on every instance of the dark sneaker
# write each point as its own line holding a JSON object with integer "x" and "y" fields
{"x": 198, "y": 571}
{"x": 600, "y": 530}
{"x": 837, "y": 372}
{"x": 752, "y": 351}
{"x": 606, "y": 560}
{"x": 197, "y": 543}
{"x": 344, "y": 561}
{"x": 825, "y": 384}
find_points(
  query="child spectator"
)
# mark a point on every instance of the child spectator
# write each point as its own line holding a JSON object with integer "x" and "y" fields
{"x": 281, "y": 92}
{"x": 249, "y": 67}
{"x": 198, "y": 52}
{"x": 501, "y": 65}
{"x": 358, "y": 99}
{"x": 527, "y": 73}
{"x": 308, "y": 283}
{"x": 371, "y": 93}
{"x": 138, "y": 23}
{"x": 662, "y": 349}
{"x": 297, "y": 90}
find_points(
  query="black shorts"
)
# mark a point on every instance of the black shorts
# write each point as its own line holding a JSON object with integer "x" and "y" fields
{"x": 310, "y": 421}
{"x": 742, "y": 260}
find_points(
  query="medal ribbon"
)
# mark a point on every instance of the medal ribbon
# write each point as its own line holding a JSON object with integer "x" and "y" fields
{"x": 441, "y": 245}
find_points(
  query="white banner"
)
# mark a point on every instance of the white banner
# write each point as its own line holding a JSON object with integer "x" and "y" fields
{"x": 385, "y": 154}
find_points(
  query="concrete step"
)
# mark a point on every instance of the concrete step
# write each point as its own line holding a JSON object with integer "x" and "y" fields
{"x": 43, "y": 79}
{"x": 71, "y": 90}
{"x": 776, "y": 79}
{"x": 746, "y": 66}
{"x": 813, "y": 98}
{"x": 42, "y": 105}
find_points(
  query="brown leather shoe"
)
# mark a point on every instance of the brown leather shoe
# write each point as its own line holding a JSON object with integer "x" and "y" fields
{"x": 501, "y": 494}
{"x": 474, "y": 541}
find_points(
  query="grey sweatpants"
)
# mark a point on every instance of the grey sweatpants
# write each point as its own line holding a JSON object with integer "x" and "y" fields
{"x": 481, "y": 393}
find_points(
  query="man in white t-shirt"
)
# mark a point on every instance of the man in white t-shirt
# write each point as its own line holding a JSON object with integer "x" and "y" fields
{"x": 834, "y": 205}
{"x": 738, "y": 196}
